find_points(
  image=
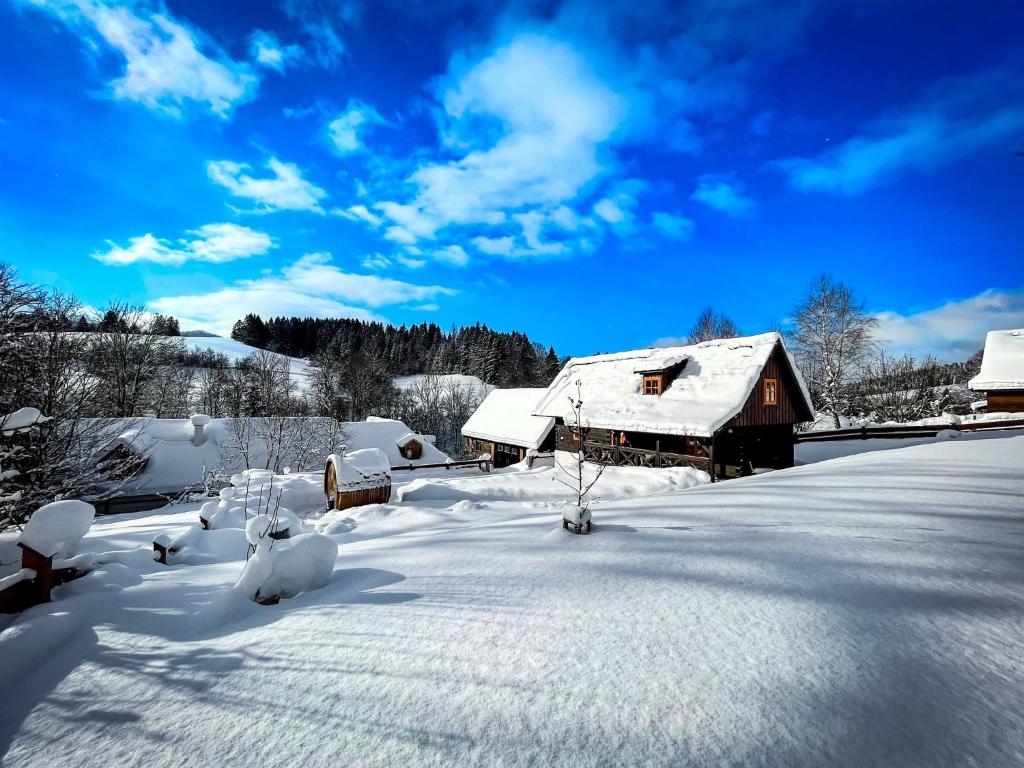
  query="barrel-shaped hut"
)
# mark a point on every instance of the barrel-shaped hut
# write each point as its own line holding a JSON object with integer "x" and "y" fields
{"x": 357, "y": 478}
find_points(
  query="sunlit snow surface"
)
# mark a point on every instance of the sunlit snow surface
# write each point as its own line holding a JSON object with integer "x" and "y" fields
{"x": 863, "y": 611}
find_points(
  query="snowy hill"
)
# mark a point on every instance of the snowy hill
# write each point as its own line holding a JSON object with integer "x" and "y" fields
{"x": 859, "y": 611}
{"x": 299, "y": 370}
{"x": 478, "y": 388}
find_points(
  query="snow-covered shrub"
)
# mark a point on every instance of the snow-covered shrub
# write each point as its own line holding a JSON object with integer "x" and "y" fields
{"x": 57, "y": 529}
{"x": 283, "y": 568}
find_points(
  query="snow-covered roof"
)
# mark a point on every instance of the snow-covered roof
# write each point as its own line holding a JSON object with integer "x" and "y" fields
{"x": 507, "y": 416}
{"x": 175, "y": 462}
{"x": 1002, "y": 365}
{"x": 366, "y": 468}
{"x": 712, "y": 387}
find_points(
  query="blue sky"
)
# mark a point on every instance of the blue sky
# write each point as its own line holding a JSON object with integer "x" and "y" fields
{"x": 455, "y": 162}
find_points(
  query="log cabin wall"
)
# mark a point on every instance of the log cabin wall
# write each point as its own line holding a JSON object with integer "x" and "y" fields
{"x": 789, "y": 408}
{"x": 1008, "y": 400}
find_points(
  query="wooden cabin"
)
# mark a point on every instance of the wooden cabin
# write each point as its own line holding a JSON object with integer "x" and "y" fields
{"x": 410, "y": 446}
{"x": 357, "y": 478}
{"x": 1001, "y": 377}
{"x": 504, "y": 426}
{"x": 726, "y": 406}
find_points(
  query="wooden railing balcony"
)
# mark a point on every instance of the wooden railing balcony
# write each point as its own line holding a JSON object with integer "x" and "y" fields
{"x": 620, "y": 455}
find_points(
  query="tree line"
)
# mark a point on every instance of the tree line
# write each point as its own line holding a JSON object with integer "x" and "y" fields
{"x": 499, "y": 358}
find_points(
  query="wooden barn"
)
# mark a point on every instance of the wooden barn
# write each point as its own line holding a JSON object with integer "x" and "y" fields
{"x": 504, "y": 426}
{"x": 1001, "y": 377}
{"x": 726, "y": 406}
{"x": 357, "y": 478}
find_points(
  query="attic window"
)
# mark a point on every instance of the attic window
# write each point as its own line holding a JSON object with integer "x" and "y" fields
{"x": 771, "y": 391}
{"x": 653, "y": 385}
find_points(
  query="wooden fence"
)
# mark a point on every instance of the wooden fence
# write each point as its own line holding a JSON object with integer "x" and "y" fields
{"x": 902, "y": 431}
{"x": 484, "y": 465}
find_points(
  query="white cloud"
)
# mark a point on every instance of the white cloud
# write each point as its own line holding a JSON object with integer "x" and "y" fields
{"x": 452, "y": 254}
{"x": 167, "y": 63}
{"x": 672, "y": 226}
{"x": 610, "y": 211}
{"x": 358, "y": 213}
{"x": 323, "y": 24}
{"x": 494, "y": 246}
{"x": 955, "y": 118}
{"x": 376, "y": 261}
{"x": 268, "y": 51}
{"x": 426, "y": 308}
{"x": 310, "y": 287}
{"x": 411, "y": 263}
{"x": 722, "y": 195}
{"x": 213, "y": 243}
{"x": 954, "y": 330}
{"x": 285, "y": 190}
{"x": 345, "y": 131}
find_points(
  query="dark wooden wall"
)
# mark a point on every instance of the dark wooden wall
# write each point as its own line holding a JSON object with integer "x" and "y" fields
{"x": 1009, "y": 400}
{"x": 790, "y": 409}
{"x": 348, "y": 499}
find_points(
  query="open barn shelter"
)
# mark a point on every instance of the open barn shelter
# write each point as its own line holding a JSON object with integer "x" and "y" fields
{"x": 504, "y": 426}
{"x": 1001, "y": 377}
{"x": 727, "y": 406}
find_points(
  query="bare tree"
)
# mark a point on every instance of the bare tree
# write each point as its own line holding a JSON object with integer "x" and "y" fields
{"x": 69, "y": 454}
{"x": 833, "y": 339}
{"x": 128, "y": 361}
{"x": 575, "y": 473}
{"x": 268, "y": 383}
{"x": 20, "y": 311}
{"x": 712, "y": 325}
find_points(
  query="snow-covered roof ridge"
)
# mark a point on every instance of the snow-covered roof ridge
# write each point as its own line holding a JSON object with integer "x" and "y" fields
{"x": 507, "y": 416}
{"x": 716, "y": 379}
{"x": 1002, "y": 363}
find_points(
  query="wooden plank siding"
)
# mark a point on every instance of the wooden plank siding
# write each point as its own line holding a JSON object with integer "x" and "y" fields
{"x": 790, "y": 408}
{"x": 1008, "y": 400}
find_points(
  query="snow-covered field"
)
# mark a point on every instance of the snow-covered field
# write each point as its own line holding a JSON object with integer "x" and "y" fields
{"x": 867, "y": 610}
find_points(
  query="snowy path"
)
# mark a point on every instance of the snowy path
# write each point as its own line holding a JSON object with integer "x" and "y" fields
{"x": 862, "y": 611}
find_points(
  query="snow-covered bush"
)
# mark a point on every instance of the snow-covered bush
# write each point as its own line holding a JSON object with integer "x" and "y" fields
{"x": 283, "y": 568}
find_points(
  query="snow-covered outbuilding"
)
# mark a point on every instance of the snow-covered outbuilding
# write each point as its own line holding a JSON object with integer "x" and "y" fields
{"x": 357, "y": 478}
{"x": 727, "y": 406}
{"x": 504, "y": 426}
{"x": 1001, "y": 377}
{"x": 410, "y": 445}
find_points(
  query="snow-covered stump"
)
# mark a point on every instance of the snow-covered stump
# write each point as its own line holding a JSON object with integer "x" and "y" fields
{"x": 283, "y": 568}
{"x": 576, "y": 519}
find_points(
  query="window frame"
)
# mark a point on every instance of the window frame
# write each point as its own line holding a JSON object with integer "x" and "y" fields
{"x": 657, "y": 383}
{"x": 770, "y": 392}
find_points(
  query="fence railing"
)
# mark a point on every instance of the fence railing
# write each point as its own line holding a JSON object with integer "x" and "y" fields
{"x": 621, "y": 455}
{"x": 903, "y": 430}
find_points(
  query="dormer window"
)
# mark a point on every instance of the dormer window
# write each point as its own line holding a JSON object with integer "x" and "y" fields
{"x": 771, "y": 391}
{"x": 653, "y": 385}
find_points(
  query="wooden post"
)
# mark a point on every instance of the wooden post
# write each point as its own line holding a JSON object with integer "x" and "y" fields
{"x": 43, "y": 566}
{"x": 657, "y": 454}
{"x": 160, "y": 548}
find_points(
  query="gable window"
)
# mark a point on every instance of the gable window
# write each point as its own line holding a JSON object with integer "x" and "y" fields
{"x": 771, "y": 391}
{"x": 652, "y": 385}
